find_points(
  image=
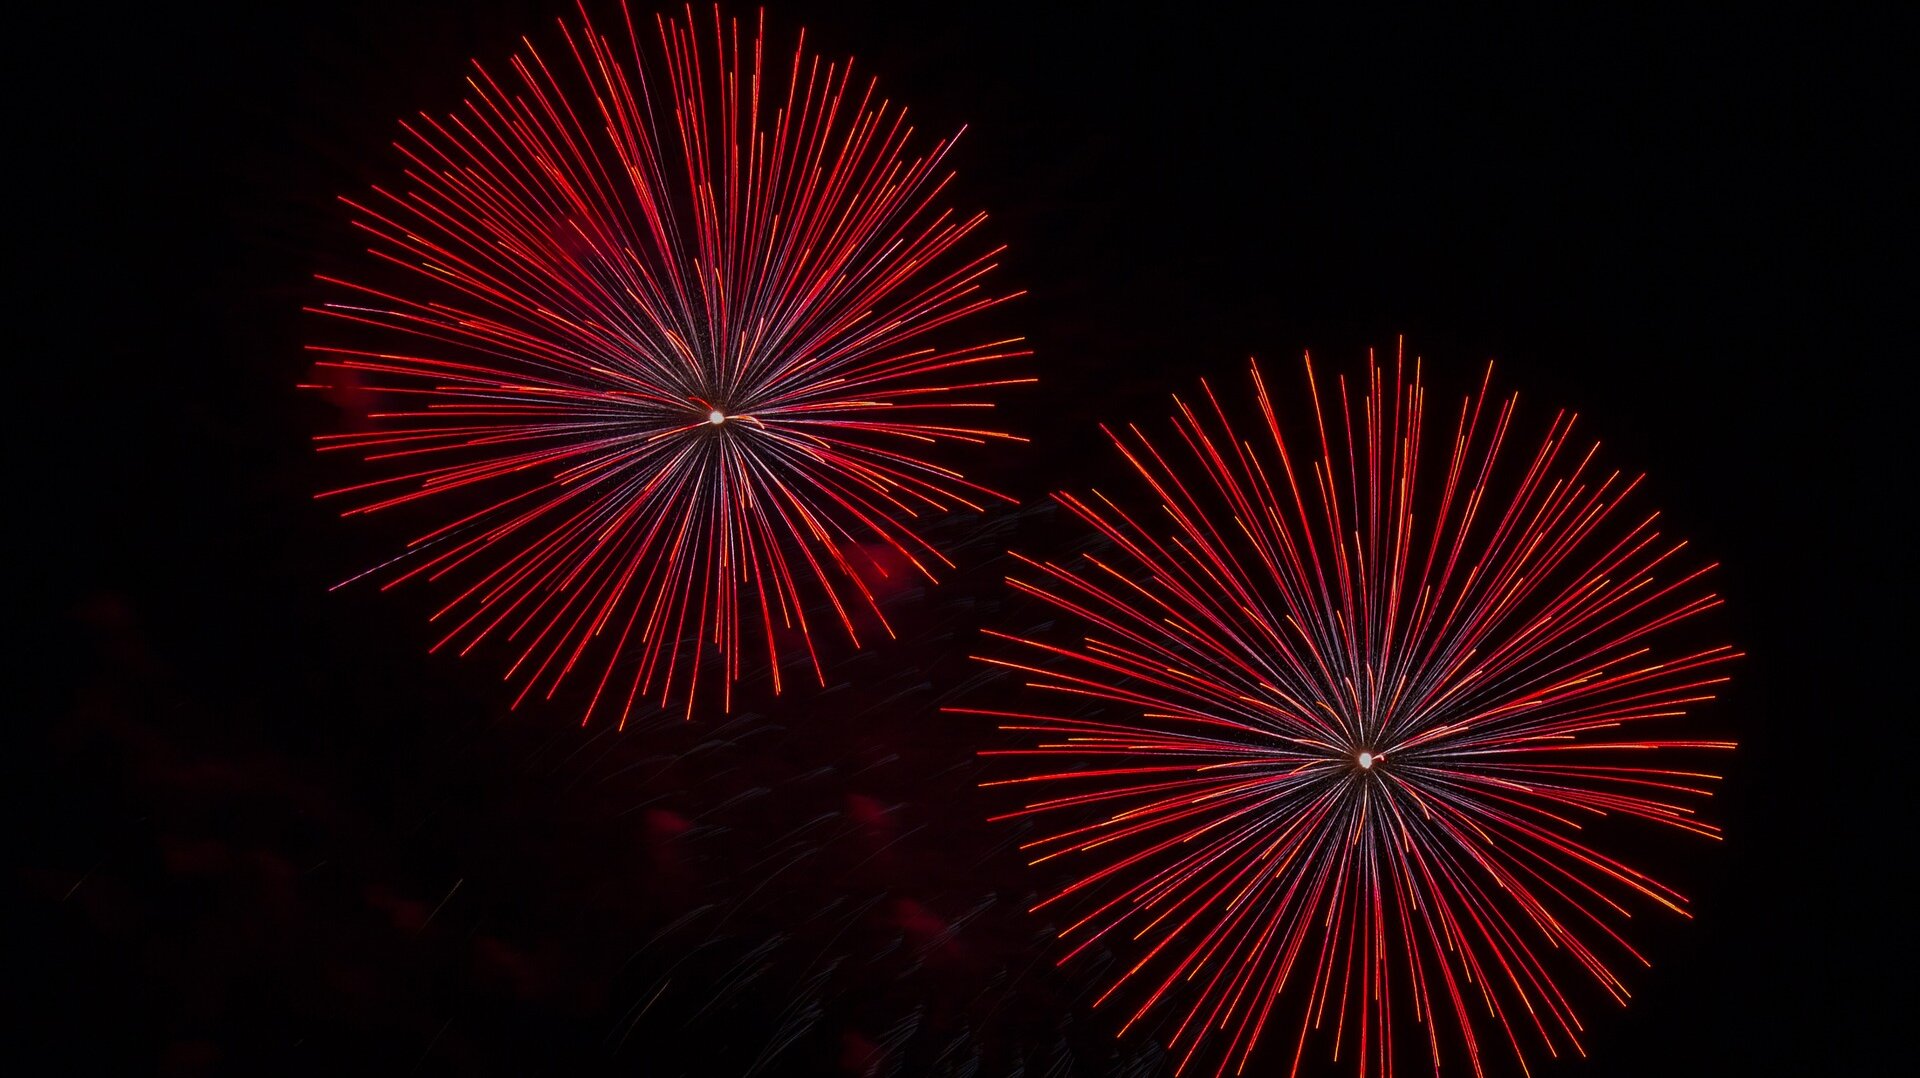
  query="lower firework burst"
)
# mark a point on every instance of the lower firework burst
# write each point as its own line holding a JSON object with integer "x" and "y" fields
{"x": 1346, "y": 722}
{"x": 651, "y": 336}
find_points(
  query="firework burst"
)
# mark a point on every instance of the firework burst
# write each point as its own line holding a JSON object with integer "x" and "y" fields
{"x": 1346, "y": 722}
{"x": 659, "y": 356}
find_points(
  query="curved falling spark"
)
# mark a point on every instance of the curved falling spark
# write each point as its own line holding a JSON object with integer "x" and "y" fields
{"x": 651, "y": 333}
{"x": 1341, "y": 716}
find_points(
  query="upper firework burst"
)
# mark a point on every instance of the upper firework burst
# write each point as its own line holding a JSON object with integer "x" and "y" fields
{"x": 1329, "y": 750}
{"x": 650, "y": 327}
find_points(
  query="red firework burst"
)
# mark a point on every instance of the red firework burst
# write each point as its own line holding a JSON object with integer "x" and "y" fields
{"x": 658, "y": 354}
{"x": 1346, "y": 726}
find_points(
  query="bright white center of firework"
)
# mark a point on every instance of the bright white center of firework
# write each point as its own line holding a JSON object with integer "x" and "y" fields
{"x": 1366, "y": 760}
{"x": 716, "y": 417}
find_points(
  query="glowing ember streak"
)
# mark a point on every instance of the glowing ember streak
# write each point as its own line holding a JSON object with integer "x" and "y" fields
{"x": 658, "y": 354}
{"x": 1487, "y": 640}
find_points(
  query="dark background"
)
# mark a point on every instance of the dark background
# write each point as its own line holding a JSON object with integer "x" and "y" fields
{"x": 263, "y": 832}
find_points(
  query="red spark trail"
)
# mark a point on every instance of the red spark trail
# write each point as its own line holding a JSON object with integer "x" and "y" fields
{"x": 656, "y": 333}
{"x": 1352, "y": 715}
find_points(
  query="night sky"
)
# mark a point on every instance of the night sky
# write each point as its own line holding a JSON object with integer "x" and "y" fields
{"x": 262, "y": 831}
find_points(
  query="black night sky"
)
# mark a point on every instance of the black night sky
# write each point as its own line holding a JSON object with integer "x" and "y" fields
{"x": 262, "y": 831}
